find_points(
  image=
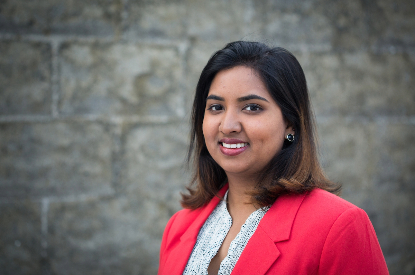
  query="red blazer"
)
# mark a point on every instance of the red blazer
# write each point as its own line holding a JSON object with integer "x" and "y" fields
{"x": 312, "y": 233}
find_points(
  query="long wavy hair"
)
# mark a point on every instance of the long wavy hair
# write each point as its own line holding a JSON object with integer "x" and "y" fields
{"x": 295, "y": 168}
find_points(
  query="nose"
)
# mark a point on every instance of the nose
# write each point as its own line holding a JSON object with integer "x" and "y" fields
{"x": 230, "y": 123}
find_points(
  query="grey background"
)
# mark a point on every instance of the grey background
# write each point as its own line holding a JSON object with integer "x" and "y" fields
{"x": 94, "y": 107}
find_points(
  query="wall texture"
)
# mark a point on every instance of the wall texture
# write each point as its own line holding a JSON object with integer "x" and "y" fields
{"x": 94, "y": 105}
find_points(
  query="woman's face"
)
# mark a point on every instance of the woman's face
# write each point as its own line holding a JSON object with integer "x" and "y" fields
{"x": 243, "y": 126}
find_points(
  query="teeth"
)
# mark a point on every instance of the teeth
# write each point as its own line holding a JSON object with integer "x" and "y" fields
{"x": 235, "y": 145}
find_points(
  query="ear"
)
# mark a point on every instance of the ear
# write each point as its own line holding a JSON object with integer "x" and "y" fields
{"x": 289, "y": 129}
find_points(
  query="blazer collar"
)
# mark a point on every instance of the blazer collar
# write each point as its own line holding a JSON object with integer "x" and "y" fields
{"x": 279, "y": 219}
{"x": 180, "y": 254}
{"x": 261, "y": 251}
{"x": 276, "y": 223}
{"x": 202, "y": 215}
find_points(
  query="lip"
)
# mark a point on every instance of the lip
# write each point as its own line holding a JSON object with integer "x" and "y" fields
{"x": 232, "y": 151}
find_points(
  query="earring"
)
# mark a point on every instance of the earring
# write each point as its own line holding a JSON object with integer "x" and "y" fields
{"x": 290, "y": 137}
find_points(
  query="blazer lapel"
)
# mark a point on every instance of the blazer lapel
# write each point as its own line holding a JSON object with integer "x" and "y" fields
{"x": 180, "y": 254}
{"x": 261, "y": 252}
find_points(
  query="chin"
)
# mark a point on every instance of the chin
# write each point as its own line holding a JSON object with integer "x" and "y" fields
{"x": 237, "y": 170}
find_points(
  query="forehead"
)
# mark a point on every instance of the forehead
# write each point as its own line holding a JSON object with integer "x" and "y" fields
{"x": 238, "y": 80}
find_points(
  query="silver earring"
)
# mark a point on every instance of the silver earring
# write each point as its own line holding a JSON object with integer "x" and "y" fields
{"x": 290, "y": 137}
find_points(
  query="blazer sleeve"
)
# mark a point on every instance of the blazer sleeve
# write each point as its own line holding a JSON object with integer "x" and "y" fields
{"x": 165, "y": 241}
{"x": 351, "y": 247}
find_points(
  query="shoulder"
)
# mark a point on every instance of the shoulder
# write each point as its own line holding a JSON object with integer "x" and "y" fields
{"x": 181, "y": 220}
{"x": 323, "y": 231}
{"x": 324, "y": 208}
{"x": 175, "y": 228}
{"x": 314, "y": 205}
{"x": 187, "y": 221}
{"x": 322, "y": 214}
{"x": 317, "y": 210}
{"x": 321, "y": 196}
{"x": 182, "y": 227}
{"x": 321, "y": 200}
{"x": 340, "y": 225}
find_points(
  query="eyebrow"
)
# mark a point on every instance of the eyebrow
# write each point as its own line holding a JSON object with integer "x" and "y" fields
{"x": 215, "y": 97}
{"x": 249, "y": 97}
{"x": 241, "y": 99}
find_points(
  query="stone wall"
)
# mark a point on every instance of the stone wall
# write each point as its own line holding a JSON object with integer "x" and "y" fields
{"x": 94, "y": 107}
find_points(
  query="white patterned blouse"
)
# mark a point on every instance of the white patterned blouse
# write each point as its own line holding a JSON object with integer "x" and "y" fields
{"x": 211, "y": 236}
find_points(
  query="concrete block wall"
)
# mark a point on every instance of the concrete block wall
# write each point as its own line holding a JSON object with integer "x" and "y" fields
{"x": 95, "y": 99}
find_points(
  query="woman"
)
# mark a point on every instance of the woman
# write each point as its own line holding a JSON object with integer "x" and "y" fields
{"x": 259, "y": 202}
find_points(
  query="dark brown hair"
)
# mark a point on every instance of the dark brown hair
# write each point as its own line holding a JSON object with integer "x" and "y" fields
{"x": 294, "y": 169}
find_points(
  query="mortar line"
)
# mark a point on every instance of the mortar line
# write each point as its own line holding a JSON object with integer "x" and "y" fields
{"x": 60, "y": 199}
{"x": 160, "y": 120}
{"x": 24, "y": 118}
{"x": 146, "y": 41}
{"x": 314, "y": 48}
{"x": 123, "y": 18}
{"x": 115, "y": 155}
{"x": 91, "y": 118}
{"x": 362, "y": 118}
{"x": 55, "y": 79}
{"x": 44, "y": 226}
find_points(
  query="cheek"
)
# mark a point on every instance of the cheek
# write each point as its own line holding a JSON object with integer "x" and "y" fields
{"x": 269, "y": 135}
{"x": 207, "y": 129}
{"x": 204, "y": 128}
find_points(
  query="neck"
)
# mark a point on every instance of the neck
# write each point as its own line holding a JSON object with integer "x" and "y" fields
{"x": 240, "y": 204}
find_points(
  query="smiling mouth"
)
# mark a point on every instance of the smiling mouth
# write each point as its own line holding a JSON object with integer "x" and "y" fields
{"x": 233, "y": 145}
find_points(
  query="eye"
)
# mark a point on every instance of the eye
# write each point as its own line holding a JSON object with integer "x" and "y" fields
{"x": 215, "y": 107}
{"x": 252, "y": 108}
